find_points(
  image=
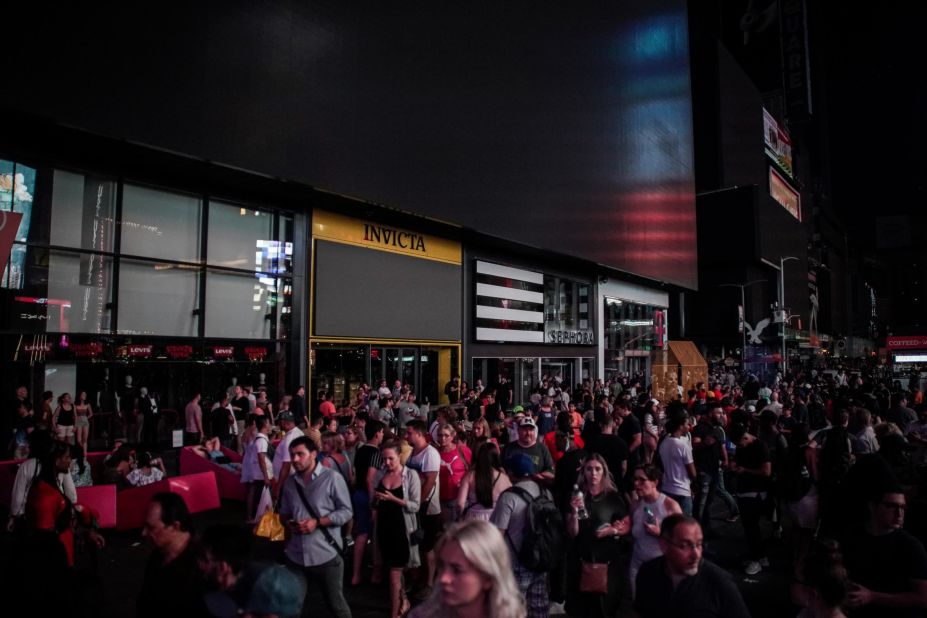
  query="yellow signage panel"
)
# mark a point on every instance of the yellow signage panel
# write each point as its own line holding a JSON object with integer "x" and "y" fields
{"x": 382, "y": 237}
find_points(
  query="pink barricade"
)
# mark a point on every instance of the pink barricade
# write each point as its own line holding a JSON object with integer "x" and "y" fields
{"x": 229, "y": 482}
{"x": 132, "y": 504}
{"x": 102, "y": 500}
{"x": 199, "y": 491}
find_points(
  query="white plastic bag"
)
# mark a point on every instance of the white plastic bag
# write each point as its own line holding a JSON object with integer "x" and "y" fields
{"x": 266, "y": 503}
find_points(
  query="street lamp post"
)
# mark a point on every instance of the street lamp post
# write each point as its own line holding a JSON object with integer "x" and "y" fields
{"x": 743, "y": 307}
{"x": 782, "y": 311}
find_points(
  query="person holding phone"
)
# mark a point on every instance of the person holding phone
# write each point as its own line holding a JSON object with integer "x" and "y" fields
{"x": 651, "y": 508}
{"x": 396, "y": 500}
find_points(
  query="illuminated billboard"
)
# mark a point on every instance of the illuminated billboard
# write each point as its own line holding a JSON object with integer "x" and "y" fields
{"x": 782, "y": 192}
{"x": 778, "y": 144}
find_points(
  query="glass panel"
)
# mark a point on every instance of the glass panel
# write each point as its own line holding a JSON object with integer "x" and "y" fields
{"x": 284, "y": 300}
{"x": 408, "y": 367}
{"x": 376, "y": 366}
{"x": 159, "y": 224}
{"x": 428, "y": 363}
{"x": 528, "y": 377}
{"x": 567, "y": 310}
{"x": 158, "y": 299}
{"x": 85, "y": 282}
{"x": 83, "y": 210}
{"x": 239, "y": 306}
{"x": 63, "y": 292}
{"x": 393, "y": 359}
{"x": 241, "y": 238}
{"x": 340, "y": 369}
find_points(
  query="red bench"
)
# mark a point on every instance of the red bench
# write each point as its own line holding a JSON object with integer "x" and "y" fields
{"x": 102, "y": 499}
{"x": 199, "y": 491}
{"x": 229, "y": 483}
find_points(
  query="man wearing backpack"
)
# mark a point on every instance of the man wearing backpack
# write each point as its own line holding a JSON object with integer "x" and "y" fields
{"x": 530, "y": 530}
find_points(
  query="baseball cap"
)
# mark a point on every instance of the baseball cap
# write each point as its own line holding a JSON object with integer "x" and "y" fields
{"x": 264, "y": 588}
{"x": 286, "y": 415}
{"x": 518, "y": 409}
{"x": 527, "y": 422}
{"x": 520, "y": 465}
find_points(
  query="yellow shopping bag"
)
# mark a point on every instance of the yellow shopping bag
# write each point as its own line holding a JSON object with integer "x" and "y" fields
{"x": 269, "y": 525}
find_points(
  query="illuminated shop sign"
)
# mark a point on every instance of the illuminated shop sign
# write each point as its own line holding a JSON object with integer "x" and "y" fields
{"x": 223, "y": 351}
{"x": 782, "y": 192}
{"x": 383, "y": 237}
{"x": 778, "y": 144}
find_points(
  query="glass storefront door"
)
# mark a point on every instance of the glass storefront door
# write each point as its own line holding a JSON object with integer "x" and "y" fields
{"x": 344, "y": 367}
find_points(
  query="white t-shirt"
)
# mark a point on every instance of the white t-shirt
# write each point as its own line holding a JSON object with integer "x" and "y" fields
{"x": 676, "y": 453}
{"x": 138, "y": 478}
{"x": 250, "y": 468}
{"x": 428, "y": 461}
{"x": 282, "y": 453}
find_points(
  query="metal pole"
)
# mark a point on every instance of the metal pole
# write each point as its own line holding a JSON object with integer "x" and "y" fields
{"x": 785, "y": 359}
{"x": 784, "y": 313}
{"x": 743, "y": 330}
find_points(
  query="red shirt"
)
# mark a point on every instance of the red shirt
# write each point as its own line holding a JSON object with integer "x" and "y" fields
{"x": 551, "y": 441}
{"x": 328, "y": 409}
{"x": 454, "y": 465}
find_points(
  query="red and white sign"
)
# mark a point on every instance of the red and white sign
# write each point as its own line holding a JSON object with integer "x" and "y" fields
{"x": 178, "y": 352}
{"x": 223, "y": 351}
{"x": 255, "y": 353}
{"x": 141, "y": 351}
{"x": 906, "y": 343}
{"x": 87, "y": 350}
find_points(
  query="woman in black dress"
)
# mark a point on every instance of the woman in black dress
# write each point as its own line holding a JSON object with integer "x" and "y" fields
{"x": 397, "y": 497}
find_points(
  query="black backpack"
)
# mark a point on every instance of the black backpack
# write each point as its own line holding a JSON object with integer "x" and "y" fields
{"x": 542, "y": 544}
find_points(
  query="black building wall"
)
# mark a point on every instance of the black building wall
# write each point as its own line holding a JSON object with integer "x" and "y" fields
{"x": 566, "y": 128}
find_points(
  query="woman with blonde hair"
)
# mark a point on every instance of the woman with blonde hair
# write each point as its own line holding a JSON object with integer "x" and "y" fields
{"x": 474, "y": 577}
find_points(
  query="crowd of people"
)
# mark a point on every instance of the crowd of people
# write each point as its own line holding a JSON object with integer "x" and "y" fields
{"x": 582, "y": 500}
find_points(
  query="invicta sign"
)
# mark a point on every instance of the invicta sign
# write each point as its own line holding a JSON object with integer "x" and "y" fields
{"x": 393, "y": 238}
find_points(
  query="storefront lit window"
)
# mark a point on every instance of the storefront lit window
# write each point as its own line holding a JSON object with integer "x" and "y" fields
{"x": 632, "y": 332}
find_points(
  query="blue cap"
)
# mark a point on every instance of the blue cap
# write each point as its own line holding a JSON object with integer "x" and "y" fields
{"x": 520, "y": 465}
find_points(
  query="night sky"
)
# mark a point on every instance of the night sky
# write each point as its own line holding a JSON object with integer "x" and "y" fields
{"x": 877, "y": 86}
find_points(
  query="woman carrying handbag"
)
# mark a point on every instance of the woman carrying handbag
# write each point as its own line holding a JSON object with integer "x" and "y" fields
{"x": 596, "y": 520}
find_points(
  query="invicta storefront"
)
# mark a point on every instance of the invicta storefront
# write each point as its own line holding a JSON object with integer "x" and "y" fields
{"x": 386, "y": 305}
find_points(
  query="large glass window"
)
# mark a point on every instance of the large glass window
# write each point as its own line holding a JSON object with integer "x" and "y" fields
{"x": 632, "y": 332}
{"x": 567, "y": 315}
{"x": 158, "y": 224}
{"x": 80, "y": 285}
{"x": 158, "y": 299}
{"x": 239, "y": 237}
{"x": 82, "y": 212}
{"x": 239, "y": 306}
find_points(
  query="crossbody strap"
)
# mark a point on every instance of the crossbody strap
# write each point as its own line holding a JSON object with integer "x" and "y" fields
{"x": 328, "y": 537}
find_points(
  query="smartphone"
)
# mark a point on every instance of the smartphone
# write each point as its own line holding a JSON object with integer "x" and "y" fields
{"x": 649, "y": 516}
{"x": 603, "y": 526}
